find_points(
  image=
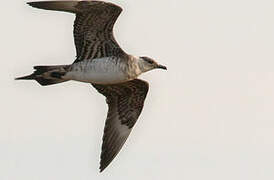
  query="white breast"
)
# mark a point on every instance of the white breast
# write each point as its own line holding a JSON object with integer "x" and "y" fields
{"x": 109, "y": 70}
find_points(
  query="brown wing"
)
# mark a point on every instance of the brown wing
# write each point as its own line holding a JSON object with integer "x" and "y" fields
{"x": 93, "y": 26}
{"x": 125, "y": 102}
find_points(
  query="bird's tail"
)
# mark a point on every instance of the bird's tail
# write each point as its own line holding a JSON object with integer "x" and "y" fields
{"x": 47, "y": 75}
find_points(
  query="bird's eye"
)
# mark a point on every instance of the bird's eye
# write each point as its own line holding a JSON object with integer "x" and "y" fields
{"x": 148, "y": 60}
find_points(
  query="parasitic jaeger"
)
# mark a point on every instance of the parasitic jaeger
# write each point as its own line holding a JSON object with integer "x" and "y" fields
{"x": 101, "y": 62}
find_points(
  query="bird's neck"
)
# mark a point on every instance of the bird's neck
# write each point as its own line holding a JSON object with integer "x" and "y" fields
{"x": 141, "y": 65}
{"x": 134, "y": 65}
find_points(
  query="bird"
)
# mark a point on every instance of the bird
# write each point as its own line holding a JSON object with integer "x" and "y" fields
{"x": 101, "y": 62}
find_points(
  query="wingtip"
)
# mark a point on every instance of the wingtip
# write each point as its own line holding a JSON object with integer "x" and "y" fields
{"x": 33, "y": 4}
{"x": 30, "y": 3}
{"x": 102, "y": 168}
{"x": 66, "y": 6}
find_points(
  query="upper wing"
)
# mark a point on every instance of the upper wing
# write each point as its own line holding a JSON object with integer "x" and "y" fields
{"x": 125, "y": 102}
{"x": 93, "y": 26}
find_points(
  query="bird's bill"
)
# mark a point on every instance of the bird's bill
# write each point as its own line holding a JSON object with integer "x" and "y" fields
{"x": 162, "y": 67}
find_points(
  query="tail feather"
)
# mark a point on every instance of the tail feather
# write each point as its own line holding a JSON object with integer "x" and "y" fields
{"x": 47, "y": 75}
{"x": 29, "y": 77}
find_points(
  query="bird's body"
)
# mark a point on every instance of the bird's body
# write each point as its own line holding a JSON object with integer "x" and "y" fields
{"x": 101, "y": 62}
{"x": 106, "y": 70}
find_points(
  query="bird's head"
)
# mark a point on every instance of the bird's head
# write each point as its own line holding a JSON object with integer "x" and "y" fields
{"x": 147, "y": 64}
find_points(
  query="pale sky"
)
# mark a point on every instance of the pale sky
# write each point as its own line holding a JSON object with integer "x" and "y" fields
{"x": 210, "y": 116}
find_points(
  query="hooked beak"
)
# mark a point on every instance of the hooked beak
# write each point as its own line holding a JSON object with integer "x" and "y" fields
{"x": 162, "y": 67}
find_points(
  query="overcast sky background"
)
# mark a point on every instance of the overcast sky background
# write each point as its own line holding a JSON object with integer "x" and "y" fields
{"x": 210, "y": 116}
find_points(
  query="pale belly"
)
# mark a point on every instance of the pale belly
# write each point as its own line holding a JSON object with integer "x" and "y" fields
{"x": 100, "y": 71}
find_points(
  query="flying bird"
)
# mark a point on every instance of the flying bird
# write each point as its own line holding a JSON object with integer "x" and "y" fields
{"x": 101, "y": 62}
